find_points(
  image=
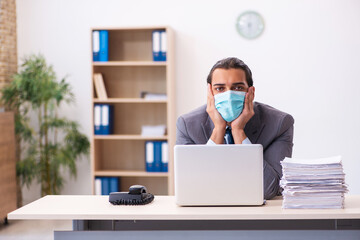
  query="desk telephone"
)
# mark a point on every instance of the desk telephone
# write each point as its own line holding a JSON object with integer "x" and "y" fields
{"x": 137, "y": 195}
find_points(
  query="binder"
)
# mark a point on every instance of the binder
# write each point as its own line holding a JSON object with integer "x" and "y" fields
{"x": 104, "y": 46}
{"x": 114, "y": 184}
{"x": 149, "y": 156}
{"x": 164, "y": 156}
{"x": 96, "y": 46}
{"x": 105, "y": 186}
{"x": 97, "y": 186}
{"x": 97, "y": 119}
{"x": 106, "y": 119}
{"x": 157, "y": 156}
{"x": 156, "y": 45}
{"x": 163, "y": 46}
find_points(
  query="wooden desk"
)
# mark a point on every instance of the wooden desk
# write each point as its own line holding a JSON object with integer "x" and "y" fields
{"x": 96, "y": 214}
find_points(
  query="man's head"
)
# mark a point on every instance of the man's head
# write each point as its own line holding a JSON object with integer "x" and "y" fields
{"x": 230, "y": 74}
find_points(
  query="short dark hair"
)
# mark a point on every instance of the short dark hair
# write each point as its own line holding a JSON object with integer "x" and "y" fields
{"x": 232, "y": 62}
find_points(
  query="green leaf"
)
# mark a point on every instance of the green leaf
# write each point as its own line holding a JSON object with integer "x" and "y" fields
{"x": 49, "y": 143}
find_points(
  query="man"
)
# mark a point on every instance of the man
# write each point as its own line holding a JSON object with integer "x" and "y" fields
{"x": 232, "y": 117}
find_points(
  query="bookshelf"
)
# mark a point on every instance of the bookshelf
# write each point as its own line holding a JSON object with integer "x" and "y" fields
{"x": 130, "y": 69}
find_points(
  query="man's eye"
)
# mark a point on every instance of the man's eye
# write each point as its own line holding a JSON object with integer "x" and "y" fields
{"x": 219, "y": 89}
{"x": 238, "y": 88}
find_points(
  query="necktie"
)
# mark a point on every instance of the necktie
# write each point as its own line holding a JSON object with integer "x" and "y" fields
{"x": 228, "y": 138}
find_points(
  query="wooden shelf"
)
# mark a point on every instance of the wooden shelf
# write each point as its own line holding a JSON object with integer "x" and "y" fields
{"x": 128, "y": 100}
{"x": 131, "y": 28}
{"x": 129, "y": 63}
{"x": 129, "y": 137}
{"x": 129, "y": 72}
{"x": 130, "y": 174}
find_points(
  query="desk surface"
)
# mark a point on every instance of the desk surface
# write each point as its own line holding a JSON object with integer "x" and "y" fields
{"x": 83, "y": 207}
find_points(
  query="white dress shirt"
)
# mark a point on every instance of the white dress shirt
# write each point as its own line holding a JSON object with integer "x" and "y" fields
{"x": 211, "y": 142}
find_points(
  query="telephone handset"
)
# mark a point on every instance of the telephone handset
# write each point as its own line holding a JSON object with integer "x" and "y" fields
{"x": 137, "y": 195}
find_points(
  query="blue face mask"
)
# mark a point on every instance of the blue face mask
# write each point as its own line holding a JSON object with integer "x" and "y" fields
{"x": 230, "y": 104}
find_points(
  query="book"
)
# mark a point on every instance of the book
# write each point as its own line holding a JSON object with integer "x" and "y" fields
{"x": 163, "y": 45}
{"x": 156, "y": 45}
{"x": 104, "y": 46}
{"x": 96, "y": 46}
{"x": 100, "y": 86}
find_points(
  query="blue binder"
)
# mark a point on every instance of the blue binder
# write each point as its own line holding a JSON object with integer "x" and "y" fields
{"x": 97, "y": 119}
{"x": 104, "y": 46}
{"x": 98, "y": 186}
{"x": 164, "y": 156}
{"x": 157, "y": 156}
{"x": 107, "y": 119}
{"x": 96, "y": 46}
{"x": 163, "y": 45}
{"x": 154, "y": 155}
{"x": 156, "y": 45}
{"x": 114, "y": 184}
{"x": 149, "y": 156}
{"x": 105, "y": 186}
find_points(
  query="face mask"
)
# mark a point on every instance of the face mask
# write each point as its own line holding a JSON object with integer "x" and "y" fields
{"x": 230, "y": 104}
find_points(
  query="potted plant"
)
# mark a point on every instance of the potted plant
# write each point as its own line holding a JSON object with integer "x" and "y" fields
{"x": 48, "y": 142}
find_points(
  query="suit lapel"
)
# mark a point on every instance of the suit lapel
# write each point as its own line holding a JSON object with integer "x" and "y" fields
{"x": 207, "y": 127}
{"x": 254, "y": 127}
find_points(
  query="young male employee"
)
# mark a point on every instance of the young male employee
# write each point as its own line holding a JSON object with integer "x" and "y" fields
{"x": 232, "y": 117}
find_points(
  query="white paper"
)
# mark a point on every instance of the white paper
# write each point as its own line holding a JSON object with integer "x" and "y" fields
{"x": 314, "y": 161}
{"x": 313, "y": 183}
{"x": 156, "y": 130}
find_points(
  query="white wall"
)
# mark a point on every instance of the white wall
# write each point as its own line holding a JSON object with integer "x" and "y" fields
{"x": 307, "y": 62}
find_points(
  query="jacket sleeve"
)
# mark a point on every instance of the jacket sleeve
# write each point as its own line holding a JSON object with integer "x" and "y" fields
{"x": 280, "y": 148}
{"x": 182, "y": 136}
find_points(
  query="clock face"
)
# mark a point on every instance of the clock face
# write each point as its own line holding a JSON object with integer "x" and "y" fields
{"x": 250, "y": 24}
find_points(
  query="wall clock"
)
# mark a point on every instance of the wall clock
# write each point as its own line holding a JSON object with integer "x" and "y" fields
{"x": 250, "y": 24}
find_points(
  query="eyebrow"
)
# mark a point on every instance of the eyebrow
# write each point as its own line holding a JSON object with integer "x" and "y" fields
{"x": 223, "y": 84}
{"x": 239, "y": 83}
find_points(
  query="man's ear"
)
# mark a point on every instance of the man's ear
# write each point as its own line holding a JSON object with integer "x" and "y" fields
{"x": 252, "y": 87}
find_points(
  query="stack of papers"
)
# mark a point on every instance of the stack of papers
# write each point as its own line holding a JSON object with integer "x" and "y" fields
{"x": 154, "y": 131}
{"x": 153, "y": 96}
{"x": 313, "y": 183}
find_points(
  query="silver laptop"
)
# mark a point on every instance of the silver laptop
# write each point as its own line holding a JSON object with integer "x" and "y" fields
{"x": 219, "y": 175}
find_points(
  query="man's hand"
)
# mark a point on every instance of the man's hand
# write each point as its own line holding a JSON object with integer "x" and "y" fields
{"x": 218, "y": 133}
{"x": 238, "y": 125}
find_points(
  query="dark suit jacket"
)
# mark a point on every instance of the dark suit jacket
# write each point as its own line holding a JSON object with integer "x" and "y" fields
{"x": 269, "y": 127}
